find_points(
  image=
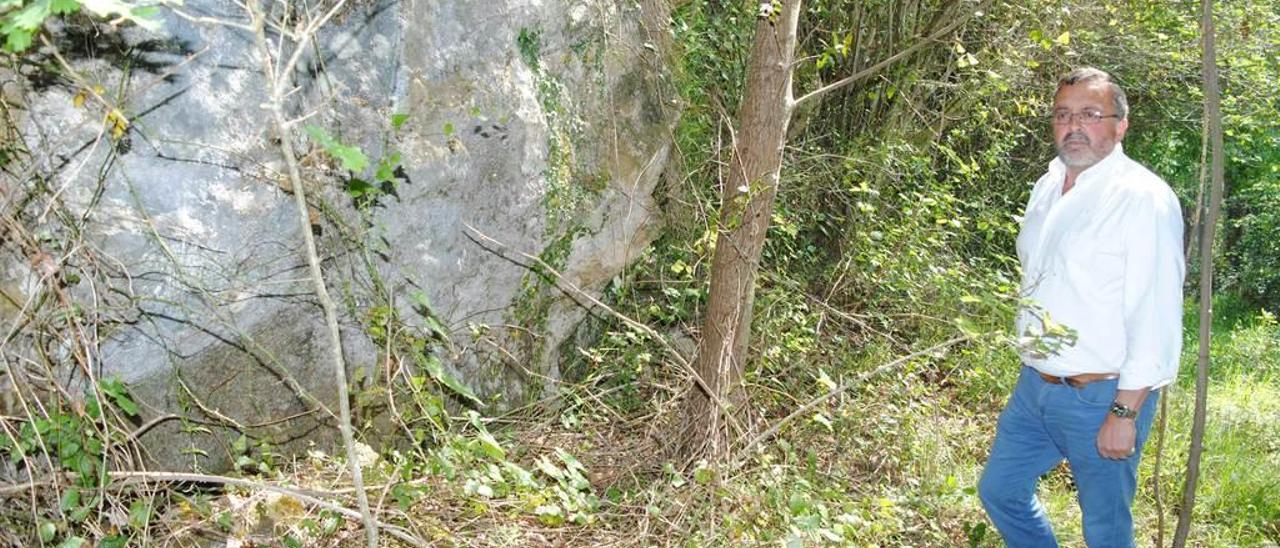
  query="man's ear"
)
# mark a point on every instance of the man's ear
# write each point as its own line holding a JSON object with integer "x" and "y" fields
{"x": 1121, "y": 128}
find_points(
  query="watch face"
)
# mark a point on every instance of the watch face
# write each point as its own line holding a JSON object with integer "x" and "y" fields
{"x": 1123, "y": 412}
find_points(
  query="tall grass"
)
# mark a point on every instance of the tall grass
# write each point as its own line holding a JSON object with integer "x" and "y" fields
{"x": 895, "y": 462}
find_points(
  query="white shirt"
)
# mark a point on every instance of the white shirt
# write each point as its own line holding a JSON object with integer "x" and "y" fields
{"x": 1103, "y": 262}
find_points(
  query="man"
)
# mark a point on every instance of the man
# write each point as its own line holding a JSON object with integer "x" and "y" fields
{"x": 1102, "y": 267}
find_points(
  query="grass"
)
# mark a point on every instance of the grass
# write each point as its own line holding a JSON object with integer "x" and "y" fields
{"x": 891, "y": 462}
{"x": 900, "y": 460}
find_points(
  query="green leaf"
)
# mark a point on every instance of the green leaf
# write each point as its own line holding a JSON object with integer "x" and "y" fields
{"x": 119, "y": 395}
{"x": 352, "y": 158}
{"x": 398, "y": 120}
{"x": 17, "y": 40}
{"x": 548, "y": 468}
{"x": 357, "y": 188}
{"x": 436, "y": 369}
{"x": 73, "y": 542}
{"x": 114, "y": 541}
{"x": 79, "y": 515}
{"x": 448, "y": 129}
{"x": 145, "y": 12}
{"x": 32, "y": 16}
{"x": 224, "y": 521}
{"x": 387, "y": 168}
{"x": 823, "y": 420}
{"x": 92, "y": 407}
{"x": 139, "y": 514}
{"x": 704, "y": 475}
{"x": 61, "y": 7}
{"x": 490, "y": 446}
{"x": 47, "y": 530}
{"x": 434, "y": 325}
{"x": 70, "y": 499}
{"x": 571, "y": 462}
{"x": 420, "y": 299}
{"x": 549, "y": 514}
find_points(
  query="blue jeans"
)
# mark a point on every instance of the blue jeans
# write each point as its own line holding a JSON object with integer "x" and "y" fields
{"x": 1042, "y": 424}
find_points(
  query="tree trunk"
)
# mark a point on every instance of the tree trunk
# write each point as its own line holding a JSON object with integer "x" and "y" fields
{"x": 1214, "y": 128}
{"x": 715, "y": 406}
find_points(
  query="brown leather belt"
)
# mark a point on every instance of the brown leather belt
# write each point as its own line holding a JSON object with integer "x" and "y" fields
{"x": 1076, "y": 381}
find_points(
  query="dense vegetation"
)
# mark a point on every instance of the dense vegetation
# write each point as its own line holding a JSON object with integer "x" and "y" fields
{"x": 893, "y": 233}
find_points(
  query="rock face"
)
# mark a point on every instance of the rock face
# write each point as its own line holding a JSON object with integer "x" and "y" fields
{"x": 504, "y": 129}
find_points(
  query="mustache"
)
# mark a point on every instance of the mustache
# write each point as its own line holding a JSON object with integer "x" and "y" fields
{"x": 1076, "y": 137}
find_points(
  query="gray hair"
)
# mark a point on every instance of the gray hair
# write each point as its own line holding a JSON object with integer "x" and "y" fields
{"x": 1090, "y": 74}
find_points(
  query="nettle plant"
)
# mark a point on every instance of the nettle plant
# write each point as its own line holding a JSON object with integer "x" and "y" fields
{"x": 21, "y": 20}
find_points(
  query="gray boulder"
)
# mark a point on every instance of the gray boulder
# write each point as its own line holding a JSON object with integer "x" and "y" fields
{"x": 535, "y": 128}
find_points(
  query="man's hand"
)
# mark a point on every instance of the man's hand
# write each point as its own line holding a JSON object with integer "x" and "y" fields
{"x": 1116, "y": 438}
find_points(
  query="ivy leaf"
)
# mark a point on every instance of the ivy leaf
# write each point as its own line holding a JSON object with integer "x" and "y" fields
{"x": 490, "y": 446}
{"x": 436, "y": 369}
{"x": 387, "y": 168}
{"x": 352, "y": 158}
{"x": 70, "y": 500}
{"x": 17, "y": 40}
{"x": 119, "y": 395}
{"x": 551, "y": 470}
{"x": 357, "y": 188}
{"x": 32, "y": 16}
{"x": 62, "y": 7}
{"x": 398, "y": 120}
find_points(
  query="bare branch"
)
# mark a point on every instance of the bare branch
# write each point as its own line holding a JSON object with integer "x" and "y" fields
{"x": 276, "y": 106}
{"x": 873, "y": 69}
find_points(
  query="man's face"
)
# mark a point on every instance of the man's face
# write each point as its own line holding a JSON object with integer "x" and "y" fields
{"x": 1081, "y": 144}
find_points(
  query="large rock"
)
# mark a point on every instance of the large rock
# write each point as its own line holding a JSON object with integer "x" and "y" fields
{"x": 533, "y": 127}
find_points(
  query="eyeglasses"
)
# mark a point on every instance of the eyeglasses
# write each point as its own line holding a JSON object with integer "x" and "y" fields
{"x": 1086, "y": 117}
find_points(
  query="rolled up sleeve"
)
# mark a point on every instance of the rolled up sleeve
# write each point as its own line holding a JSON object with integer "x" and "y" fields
{"x": 1154, "y": 270}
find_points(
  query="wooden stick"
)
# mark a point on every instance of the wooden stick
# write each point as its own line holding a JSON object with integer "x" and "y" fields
{"x": 1213, "y": 117}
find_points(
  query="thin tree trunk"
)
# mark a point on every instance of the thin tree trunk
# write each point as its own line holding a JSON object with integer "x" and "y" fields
{"x": 1189, "y": 248}
{"x": 746, "y": 210}
{"x": 1162, "y": 420}
{"x": 1214, "y": 128}
{"x": 277, "y": 81}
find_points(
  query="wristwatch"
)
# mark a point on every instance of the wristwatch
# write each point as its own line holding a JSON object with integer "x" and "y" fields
{"x": 1123, "y": 411}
